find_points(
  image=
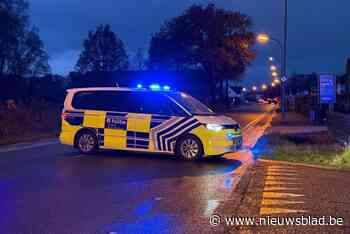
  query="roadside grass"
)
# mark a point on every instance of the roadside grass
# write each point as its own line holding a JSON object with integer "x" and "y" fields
{"x": 28, "y": 123}
{"x": 318, "y": 149}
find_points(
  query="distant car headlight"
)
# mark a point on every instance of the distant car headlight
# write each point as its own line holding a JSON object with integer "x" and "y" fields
{"x": 214, "y": 127}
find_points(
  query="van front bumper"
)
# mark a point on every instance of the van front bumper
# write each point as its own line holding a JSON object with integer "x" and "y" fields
{"x": 219, "y": 147}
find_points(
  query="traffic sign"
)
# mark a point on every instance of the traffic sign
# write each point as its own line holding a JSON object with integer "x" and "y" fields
{"x": 283, "y": 78}
{"x": 327, "y": 89}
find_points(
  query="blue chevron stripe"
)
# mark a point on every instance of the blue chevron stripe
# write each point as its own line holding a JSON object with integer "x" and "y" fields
{"x": 166, "y": 130}
{"x": 173, "y": 139}
{"x": 180, "y": 129}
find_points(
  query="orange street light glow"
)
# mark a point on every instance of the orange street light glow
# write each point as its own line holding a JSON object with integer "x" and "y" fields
{"x": 277, "y": 81}
{"x": 264, "y": 87}
{"x": 255, "y": 88}
{"x": 263, "y": 38}
{"x": 273, "y": 68}
{"x": 274, "y": 74}
{"x": 273, "y": 84}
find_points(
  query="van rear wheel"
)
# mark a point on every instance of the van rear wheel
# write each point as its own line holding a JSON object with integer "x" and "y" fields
{"x": 87, "y": 142}
{"x": 189, "y": 148}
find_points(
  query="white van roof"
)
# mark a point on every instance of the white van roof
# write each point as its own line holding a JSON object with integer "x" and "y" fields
{"x": 100, "y": 89}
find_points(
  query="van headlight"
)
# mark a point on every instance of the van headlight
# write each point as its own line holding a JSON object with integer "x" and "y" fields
{"x": 214, "y": 127}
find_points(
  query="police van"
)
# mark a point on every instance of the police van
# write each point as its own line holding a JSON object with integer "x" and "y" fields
{"x": 151, "y": 120}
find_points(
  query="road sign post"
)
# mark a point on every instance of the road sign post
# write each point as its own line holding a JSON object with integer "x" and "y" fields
{"x": 327, "y": 89}
{"x": 327, "y": 96}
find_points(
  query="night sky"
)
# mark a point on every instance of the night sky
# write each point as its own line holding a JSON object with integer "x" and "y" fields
{"x": 319, "y": 30}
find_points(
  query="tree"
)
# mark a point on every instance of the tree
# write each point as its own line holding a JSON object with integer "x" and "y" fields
{"x": 21, "y": 49}
{"x": 103, "y": 51}
{"x": 140, "y": 59}
{"x": 215, "y": 40}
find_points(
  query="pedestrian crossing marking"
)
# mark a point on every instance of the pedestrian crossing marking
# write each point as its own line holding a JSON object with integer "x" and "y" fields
{"x": 277, "y": 192}
{"x": 267, "y": 202}
{"x": 279, "y": 182}
{"x": 266, "y": 211}
{"x": 282, "y": 171}
{"x": 284, "y": 174}
{"x": 284, "y": 178}
{"x": 279, "y": 188}
{"x": 280, "y": 195}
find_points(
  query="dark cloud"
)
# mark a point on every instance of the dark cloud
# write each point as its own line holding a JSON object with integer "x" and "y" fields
{"x": 318, "y": 30}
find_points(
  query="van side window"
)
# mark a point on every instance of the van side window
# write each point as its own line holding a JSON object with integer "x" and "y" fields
{"x": 126, "y": 101}
{"x": 156, "y": 103}
{"x": 102, "y": 101}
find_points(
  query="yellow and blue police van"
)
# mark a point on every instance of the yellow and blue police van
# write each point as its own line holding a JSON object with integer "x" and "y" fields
{"x": 151, "y": 120}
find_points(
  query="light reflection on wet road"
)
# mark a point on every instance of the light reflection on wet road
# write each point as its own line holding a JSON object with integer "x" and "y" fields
{"x": 53, "y": 189}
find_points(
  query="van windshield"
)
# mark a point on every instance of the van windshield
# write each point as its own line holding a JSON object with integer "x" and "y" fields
{"x": 191, "y": 104}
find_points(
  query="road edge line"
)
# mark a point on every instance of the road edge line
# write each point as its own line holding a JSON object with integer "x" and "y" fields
{"x": 28, "y": 145}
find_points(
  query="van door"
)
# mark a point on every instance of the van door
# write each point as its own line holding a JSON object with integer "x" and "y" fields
{"x": 138, "y": 123}
{"x": 138, "y": 131}
{"x": 153, "y": 113}
{"x": 115, "y": 129}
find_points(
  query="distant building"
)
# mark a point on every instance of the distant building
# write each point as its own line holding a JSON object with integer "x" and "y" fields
{"x": 343, "y": 81}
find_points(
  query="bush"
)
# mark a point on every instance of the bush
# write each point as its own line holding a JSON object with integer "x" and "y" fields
{"x": 29, "y": 122}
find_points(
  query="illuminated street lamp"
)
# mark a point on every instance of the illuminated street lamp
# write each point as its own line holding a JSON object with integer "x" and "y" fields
{"x": 273, "y": 85}
{"x": 264, "y": 87}
{"x": 263, "y": 38}
{"x": 274, "y": 74}
{"x": 273, "y": 68}
{"x": 254, "y": 88}
{"x": 244, "y": 90}
{"x": 271, "y": 59}
{"x": 277, "y": 81}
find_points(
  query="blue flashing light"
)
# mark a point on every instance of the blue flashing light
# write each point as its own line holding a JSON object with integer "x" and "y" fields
{"x": 154, "y": 87}
{"x": 230, "y": 136}
{"x": 166, "y": 87}
{"x": 139, "y": 86}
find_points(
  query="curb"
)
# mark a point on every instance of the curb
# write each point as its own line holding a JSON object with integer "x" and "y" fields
{"x": 244, "y": 181}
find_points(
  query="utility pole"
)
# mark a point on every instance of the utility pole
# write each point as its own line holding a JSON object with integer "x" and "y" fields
{"x": 284, "y": 70}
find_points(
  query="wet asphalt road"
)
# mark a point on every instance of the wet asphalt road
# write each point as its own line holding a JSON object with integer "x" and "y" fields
{"x": 53, "y": 189}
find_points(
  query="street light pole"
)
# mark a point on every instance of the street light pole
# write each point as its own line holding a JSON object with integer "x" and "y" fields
{"x": 264, "y": 38}
{"x": 284, "y": 67}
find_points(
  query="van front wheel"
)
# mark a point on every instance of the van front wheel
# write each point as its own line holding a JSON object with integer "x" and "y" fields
{"x": 189, "y": 148}
{"x": 87, "y": 142}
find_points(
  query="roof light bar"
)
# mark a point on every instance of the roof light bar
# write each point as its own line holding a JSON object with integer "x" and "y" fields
{"x": 154, "y": 87}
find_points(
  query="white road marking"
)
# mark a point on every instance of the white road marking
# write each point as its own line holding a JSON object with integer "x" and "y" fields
{"x": 24, "y": 146}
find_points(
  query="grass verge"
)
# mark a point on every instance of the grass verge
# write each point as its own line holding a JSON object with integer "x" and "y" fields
{"x": 317, "y": 149}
